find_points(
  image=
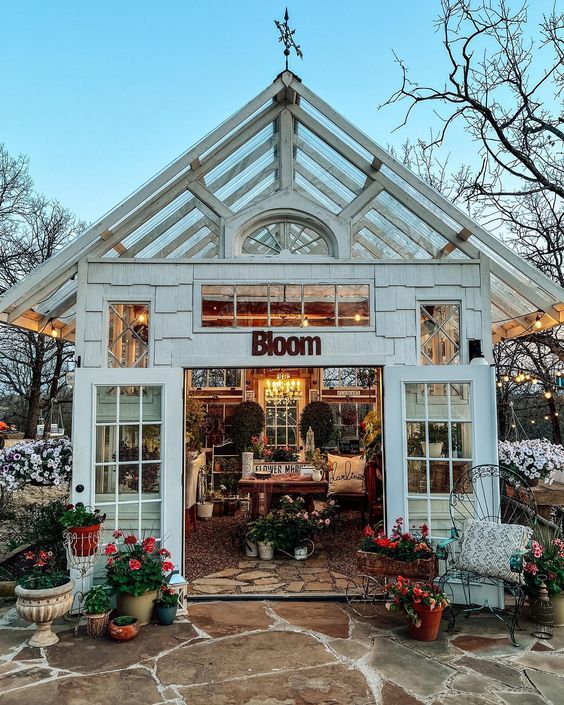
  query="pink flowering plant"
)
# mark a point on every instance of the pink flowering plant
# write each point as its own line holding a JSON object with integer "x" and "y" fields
{"x": 544, "y": 563}
{"x": 136, "y": 566}
{"x": 296, "y": 523}
{"x": 533, "y": 459}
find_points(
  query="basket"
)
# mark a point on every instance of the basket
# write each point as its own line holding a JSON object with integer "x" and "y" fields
{"x": 376, "y": 564}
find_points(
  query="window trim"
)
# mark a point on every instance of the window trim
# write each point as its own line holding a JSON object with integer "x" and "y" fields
{"x": 208, "y": 369}
{"x": 462, "y": 342}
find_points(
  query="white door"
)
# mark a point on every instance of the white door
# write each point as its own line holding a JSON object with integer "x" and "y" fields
{"x": 438, "y": 421}
{"x": 128, "y": 460}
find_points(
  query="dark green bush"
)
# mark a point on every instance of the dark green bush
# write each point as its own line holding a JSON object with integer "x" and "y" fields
{"x": 39, "y": 526}
{"x": 319, "y": 416}
{"x": 247, "y": 421}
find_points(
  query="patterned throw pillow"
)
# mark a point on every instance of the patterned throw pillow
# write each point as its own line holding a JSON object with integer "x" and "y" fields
{"x": 346, "y": 475}
{"x": 487, "y": 547}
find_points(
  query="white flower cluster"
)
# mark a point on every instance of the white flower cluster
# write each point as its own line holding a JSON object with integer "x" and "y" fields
{"x": 533, "y": 459}
{"x": 43, "y": 462}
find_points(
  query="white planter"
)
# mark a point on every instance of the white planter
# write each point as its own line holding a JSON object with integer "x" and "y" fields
{"x": 42, "y": 607}
{"x": 435, "y": 449}
{"x": 266, "y": 551}
{"x": 204, "y": 510}
{"x": 247, "y": 463}
{"x": 251, "y": 549}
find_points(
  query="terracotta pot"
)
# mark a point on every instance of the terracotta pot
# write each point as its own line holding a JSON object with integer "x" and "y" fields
{"x": 430, "y": 623}
{"x": 84, "y": 539}
{"x": 166, "y": 615}
{"x": 138, "y": 606}
{"x": 125, "y": 633}
{"x": 43, "y": 607}
{"x": 96, "y": 624}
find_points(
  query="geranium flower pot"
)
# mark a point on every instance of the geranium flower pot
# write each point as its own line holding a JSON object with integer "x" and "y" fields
{"x": 84, "y": 539}
{"x": 428, "y": 630}
{"x": 96, "y": 624}
{"x": 139, "y": 606}
{"x": 166, "y": 615}
{"x": 42, "y": 607}
{"x": 266, "y": 550}
{"x": 125, "y": 632}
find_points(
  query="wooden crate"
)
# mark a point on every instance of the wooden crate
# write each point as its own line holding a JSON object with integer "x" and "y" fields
{"x": 376, "y": 564}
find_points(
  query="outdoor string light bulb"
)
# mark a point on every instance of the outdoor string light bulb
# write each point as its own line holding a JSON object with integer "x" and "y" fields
{"x": 538, "y": 322}
{"x": 547, "y": 394}
{"x": 54, "y": 332}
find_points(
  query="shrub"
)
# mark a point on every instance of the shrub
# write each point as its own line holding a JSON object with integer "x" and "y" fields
{"x": 38, "y": 525}
{"x": 247, "y": 421}
{"x": 319, "y": 416}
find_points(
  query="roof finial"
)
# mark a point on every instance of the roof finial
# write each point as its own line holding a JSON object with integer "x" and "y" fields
{"x": 287, "y": 37}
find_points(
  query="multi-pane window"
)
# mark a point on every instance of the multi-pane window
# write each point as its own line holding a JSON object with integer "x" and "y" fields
{"x": 348, "y": 417}
{"x": 285, "y": 305}
{"x": 438, "y": 449}
{"x": 128, "y": 335}
{"x": 281, "y": 425}
{"x": 285, "y": 238}
{"x": 439, "y": 334}
{"x": 335, "y": 377}
{"x": 215, "y": 378}
{"x": 128, "y": 460}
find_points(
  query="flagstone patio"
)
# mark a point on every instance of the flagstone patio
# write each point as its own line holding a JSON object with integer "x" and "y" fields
{"x": 282, "y": 653}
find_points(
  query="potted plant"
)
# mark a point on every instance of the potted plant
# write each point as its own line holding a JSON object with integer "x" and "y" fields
{"x": 371, "y": 428}
{"x": 83, "y": 528}
{"x": 43, "y": 594}
{"x": 97, "y": 610}
{"x": 247, "y": 421}
{"x": 124, "y": 628}
{"x": 135, "y": 571}
{"x": 422, "y": 603}
{"x": 318, "y": 416}
{"x": 264, "y": 531}
{"x": 296, "y": 526}
{"x": 532, "y": 459}
{"x": 204, "y": 506}
{"x": 403, "y": 553}
{"x": 195, "y": 415}
{"x": 545, "y": 563}
{"x": 166, "y": 605}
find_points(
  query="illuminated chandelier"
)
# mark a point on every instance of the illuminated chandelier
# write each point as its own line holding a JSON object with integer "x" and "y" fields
{"x": 282, "y": 390}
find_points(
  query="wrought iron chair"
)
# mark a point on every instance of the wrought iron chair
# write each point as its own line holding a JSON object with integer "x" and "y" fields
{"x": 473, "y": 496}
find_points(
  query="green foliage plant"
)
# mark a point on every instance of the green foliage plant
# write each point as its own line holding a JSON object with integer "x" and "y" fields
{"x": 247, "y": 421}
{"x": 97, "y": 600}
{"x": 318, "y": 415}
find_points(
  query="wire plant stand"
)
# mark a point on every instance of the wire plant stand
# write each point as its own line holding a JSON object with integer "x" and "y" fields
{"x": 83, "y": 552}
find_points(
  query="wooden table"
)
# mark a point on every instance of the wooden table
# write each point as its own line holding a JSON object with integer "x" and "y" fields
{"x": 548, "y": 496}
{"x": 262, "y": 490}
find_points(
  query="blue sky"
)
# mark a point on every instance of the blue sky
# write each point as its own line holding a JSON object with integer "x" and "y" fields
{"x": 103, "y": 95}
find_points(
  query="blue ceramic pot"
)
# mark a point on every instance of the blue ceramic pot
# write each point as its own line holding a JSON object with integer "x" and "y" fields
{"x": 166, "y": 615}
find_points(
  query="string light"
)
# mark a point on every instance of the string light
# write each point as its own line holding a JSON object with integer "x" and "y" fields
{"x": 141, "y": 318}
{"x": 357, "y": 317}
{"x": 306, "y": 322}
{"x": 54, "y": 332}
{"x": 538, "y": 322}
{"x": 547, "y": 394}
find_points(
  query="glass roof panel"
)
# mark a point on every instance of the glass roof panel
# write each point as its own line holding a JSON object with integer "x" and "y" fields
{"x": 181, "y": 231}
{"x": 509, "y": 299}
{"x": 203, "y": 244}
{"x": 303, "y": 185}
{"x": 57, "y": 297}
{"x": 378, "y": 247}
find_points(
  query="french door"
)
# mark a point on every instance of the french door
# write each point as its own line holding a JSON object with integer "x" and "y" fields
{"x": 127, "y": 441}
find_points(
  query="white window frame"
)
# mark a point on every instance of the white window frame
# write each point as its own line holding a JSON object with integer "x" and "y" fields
{"x": 462, "y": 342}
{"x": 105, "y": 336}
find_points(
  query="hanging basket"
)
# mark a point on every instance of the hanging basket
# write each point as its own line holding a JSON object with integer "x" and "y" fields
{"x": 84, "y": 540}
{"x": 376, "y": 564}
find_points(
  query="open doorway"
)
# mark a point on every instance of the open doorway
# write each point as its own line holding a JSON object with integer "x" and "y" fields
{"x": 280, "y": 442}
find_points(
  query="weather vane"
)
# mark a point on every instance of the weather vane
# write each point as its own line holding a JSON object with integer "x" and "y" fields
{"x": 287, "y": 37}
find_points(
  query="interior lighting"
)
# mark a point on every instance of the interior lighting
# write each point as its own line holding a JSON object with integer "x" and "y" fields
{"x": 506, "y": 378}
{"x": 141, "y": 318}
{"x": 357, "y": 317}
{"x": 283, "y": 389}
{"x": 500, "y": 384}
{"x": 54, "y": 332}
{"x": 534, "y": 381}
{"x": 306, "y": 322}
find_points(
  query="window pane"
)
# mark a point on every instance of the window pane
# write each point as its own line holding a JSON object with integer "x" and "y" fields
{"x": 233, "y": 378}
{"x": 416, "y": 440}
{"x": 128, "y": 335}
{"x": 128, "y": 518}
{"x": 461, "y": 440}
{"x": 460, "y": 402}
{"x": 218, "y": 307}
{"x": 416, "y": 477}
{"x": 128, "y": 443}
{"x": 150, "y": 480}
{"x": 151, "y": 403}
{"x": 252, "y": 306}
{"x": 199, "y": 378}
{"x": 319, "y": 305}
{"x": 129, "y": 408}
{"x": 151, "y": 448}
{"x": 331, "y": 377}
{"x": 354, "y": 309}
{"x": 128, "y": 480}
{"x": 437, "y": 399}
{"x": 438, "y": 440}
{"x": 105, "y": 483}
{"x": 417, "y": 512}
{"x": 440, "y": 476}
{"x": 105, "y": 444}
{"x": 415, "y": 401}
{"x": 106, "y": 407}
{"x": 439, "y": 334}
{"x": 285, "y": 305}
{"x": 440, "y": 518}
{"x": 151, "y": 519}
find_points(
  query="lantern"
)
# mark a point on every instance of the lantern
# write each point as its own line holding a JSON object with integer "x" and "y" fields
{"x": 543, "y": 627}
{"x": 310, "y": 443}
{"x": 180, "y": 587}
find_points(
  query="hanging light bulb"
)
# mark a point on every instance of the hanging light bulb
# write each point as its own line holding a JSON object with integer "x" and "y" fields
{"x": 306, "y": 322}
{"x": 506, "y": 378}
{"x": 54, "y": 332}
{"x": 141, "y": 318}
{"x": 547, "y": 395}
{"x": 357, "y": 317}
{"x": 538, "y": 322}
{"x": 500, "y": 384}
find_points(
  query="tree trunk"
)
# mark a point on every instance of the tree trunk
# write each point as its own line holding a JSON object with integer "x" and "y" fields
{"x": 555, "y": 421}
{"x": 34, "y": 408}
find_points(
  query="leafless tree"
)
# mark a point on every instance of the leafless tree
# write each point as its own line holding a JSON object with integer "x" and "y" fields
{"x": 32, "y": 228}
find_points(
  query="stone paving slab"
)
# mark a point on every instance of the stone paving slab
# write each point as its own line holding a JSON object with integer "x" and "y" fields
{"x": 325, "y": 617}
{"x": 221, "y": 619}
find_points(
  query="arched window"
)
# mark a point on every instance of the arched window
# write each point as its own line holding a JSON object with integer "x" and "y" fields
{"x": 286, "y": 238}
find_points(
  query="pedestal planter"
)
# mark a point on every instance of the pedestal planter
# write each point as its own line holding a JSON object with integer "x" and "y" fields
{"x": 428, "y": 630}
{"x": 84, "y": 539}
{"x": 97, "y": 624}
{"x": 266, "y": 551}
{"x": 43, "y": 607}
{"x": 165, "y": 615}
{"x": 141, "y": 606}
{"x": 125, "y": 632}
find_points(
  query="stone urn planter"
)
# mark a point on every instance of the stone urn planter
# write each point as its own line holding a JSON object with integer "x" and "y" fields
{"x": 42, "y": 607}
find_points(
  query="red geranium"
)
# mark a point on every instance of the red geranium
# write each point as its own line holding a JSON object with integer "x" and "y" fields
{"x": 130, "y": 540}
{"x": 110, "y": 549}
{"x": 168, "y": 566}
{"x": 401, "y": 545}
{"x": 134, "y": 564}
